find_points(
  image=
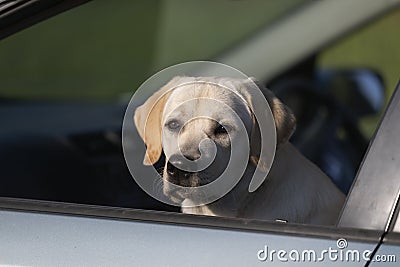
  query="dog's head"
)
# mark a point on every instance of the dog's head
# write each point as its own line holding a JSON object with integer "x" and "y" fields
{"x": 196, "y": 120}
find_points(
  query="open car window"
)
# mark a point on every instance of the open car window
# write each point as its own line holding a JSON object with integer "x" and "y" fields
{"x": 65, "y": 87}
{"x": 66, "y": 83}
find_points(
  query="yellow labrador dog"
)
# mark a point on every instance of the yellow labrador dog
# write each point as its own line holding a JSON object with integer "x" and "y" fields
{"x": 295, "y": 190}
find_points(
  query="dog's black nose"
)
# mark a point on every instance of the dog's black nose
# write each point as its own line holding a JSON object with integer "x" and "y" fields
{"x": 176, "y": 172}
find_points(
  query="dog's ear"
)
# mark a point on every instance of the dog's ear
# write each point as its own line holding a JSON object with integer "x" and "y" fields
{"x": 148, "y": 119}
{"x": 285, "y": 122}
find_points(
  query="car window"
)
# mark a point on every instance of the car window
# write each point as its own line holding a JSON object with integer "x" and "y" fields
{"x": 66, "y": 83}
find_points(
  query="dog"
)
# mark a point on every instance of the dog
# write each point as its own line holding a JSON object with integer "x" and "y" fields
{"x": 295, "y": 190}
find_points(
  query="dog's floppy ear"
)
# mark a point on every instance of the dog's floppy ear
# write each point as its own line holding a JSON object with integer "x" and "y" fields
{"x": 148, "y": 119}
{"x": 285, "y": 122}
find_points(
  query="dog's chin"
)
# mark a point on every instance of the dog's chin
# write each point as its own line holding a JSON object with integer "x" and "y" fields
{"x": 174, "y": 195}
{"x": 180, "y": 193}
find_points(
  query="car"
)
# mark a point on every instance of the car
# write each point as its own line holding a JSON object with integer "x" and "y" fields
{"x": 66, "y": 195}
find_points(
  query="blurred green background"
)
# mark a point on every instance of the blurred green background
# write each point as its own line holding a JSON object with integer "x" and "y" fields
{"x": 102, "y": 50}
{"x": 377, "y": 46}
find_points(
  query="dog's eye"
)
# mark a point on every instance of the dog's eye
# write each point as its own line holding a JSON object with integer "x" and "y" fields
{"x": 173, "y": 125}
{"x": 220, "y": 130}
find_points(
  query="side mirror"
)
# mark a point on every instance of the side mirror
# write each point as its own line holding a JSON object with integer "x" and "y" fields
{"x": 361, "y": 88}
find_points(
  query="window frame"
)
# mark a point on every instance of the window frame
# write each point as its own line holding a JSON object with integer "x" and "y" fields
{"x": 21, "y": 14}
{"x": 151, "y": 216}
{"x": 357, "y": 211}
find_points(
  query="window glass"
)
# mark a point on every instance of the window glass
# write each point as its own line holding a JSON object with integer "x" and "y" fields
{"x": 374, "y": 46}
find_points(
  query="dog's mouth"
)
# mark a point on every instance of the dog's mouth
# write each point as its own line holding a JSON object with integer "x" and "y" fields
{"x": 186, "y": 183}
{"x": 180, "y": 177}
{"x": 181, "y": 184}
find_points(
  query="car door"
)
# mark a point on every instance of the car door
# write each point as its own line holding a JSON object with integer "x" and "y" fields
{"x": 45, "y": 234}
